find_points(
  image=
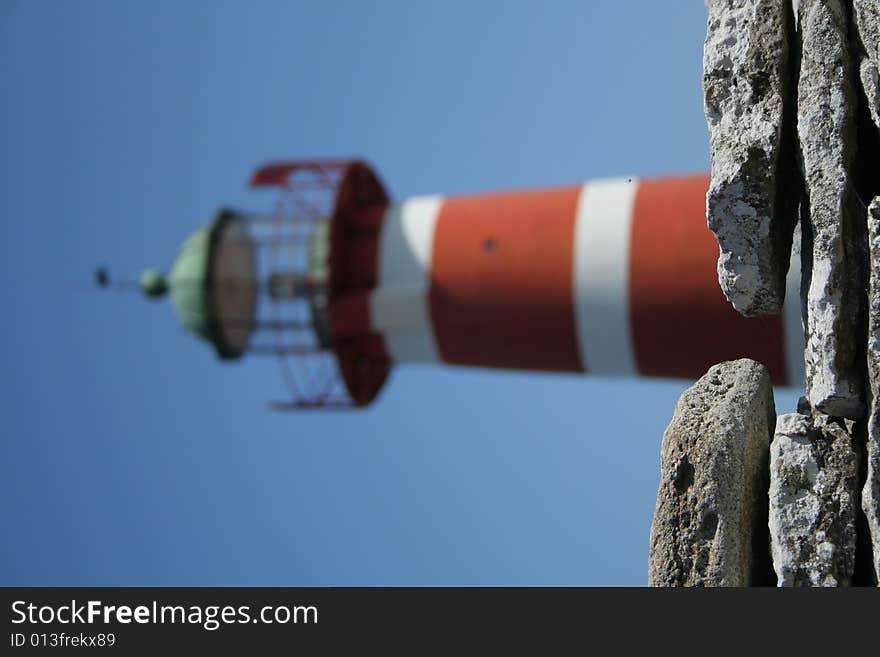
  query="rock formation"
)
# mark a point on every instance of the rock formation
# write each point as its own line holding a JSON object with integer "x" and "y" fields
{"x": 871, "y": 490}
{"x": 867, "y": 18}
{"x": 710, "y": 524}
{"x": 746, "y": 89}
{"x": 792, "y": 100}
{"x": 813, "y": 502}
{"x": 826, "y": 137}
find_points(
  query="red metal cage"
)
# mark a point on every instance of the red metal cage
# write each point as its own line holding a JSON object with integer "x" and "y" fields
{"x": 323, "y": 234}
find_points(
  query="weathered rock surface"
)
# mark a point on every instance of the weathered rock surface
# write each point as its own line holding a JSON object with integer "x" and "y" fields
{"x": 871, "y": 490}
{"x": 867, "y": 18}
{"x": 710, "y": 521}
{"x": 746, "y": 97}
{"x": 813, "y": 502}
{"x": 827, "y": 139}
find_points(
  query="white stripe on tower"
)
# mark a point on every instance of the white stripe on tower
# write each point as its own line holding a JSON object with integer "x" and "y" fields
{"x": 792, "y": 326}
{"x": 399, "y": 304}
{"x": 601, "y": 276}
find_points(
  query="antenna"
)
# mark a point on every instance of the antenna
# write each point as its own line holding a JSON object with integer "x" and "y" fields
{"x": 104, "y": 281}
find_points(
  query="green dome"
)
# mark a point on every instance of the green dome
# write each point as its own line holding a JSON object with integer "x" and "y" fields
{"x": 188, "y": 282}
{"x": 217, "y": 249}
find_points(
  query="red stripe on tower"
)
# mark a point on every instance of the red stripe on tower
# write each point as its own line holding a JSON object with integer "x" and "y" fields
{"x": 501, "y": 281}
{"x": 681, "y": 323}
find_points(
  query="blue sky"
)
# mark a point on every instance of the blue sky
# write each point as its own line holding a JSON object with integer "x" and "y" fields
{"x": 133, "y": 457}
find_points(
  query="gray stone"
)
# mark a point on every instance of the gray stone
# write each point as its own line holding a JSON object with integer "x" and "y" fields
{"x": 867, "y": 18}
{"x": 746, "y": 98}
{"x": 871, "y": 490}
{"x": 871, "y": 86}
{"x": 813, "y": 502}
{"x": 710, "y": 521}
{"x": 827, "y": 139}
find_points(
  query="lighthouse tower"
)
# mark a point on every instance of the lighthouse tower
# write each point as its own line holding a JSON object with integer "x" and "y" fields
{"x": 611, "y": 277}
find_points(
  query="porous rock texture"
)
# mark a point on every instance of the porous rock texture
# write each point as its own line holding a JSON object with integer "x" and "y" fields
{"x": 867, "y": 18}
{"x": 813, "y": 501}
{"x": 826, "y": 125}
{"x": 746, "y": 88}
{"x": 871, "y": 489}
{"x": 710, "y": 521}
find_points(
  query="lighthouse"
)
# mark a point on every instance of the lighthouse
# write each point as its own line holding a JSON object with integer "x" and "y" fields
{"x": 611, "y": 277}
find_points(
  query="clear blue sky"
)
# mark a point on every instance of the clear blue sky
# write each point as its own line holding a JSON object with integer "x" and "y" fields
{"x": 131, "y": 456}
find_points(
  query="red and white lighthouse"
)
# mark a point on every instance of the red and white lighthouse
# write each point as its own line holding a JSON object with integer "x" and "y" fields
{"x": 612, "y": 277}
